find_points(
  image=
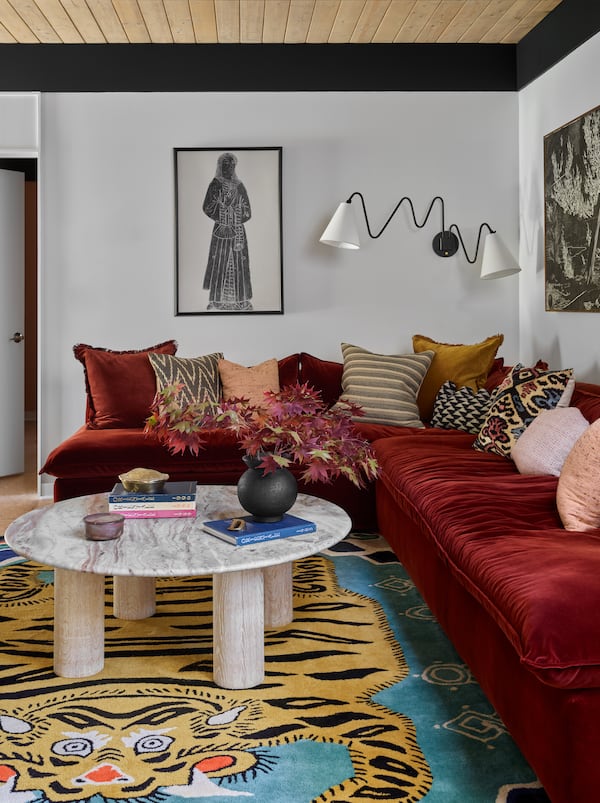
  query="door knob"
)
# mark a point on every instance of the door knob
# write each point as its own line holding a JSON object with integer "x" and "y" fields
{"x": 17, "y": 337}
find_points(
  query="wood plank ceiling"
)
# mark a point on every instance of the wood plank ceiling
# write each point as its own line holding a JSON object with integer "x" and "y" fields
{"x": 269, "y": 21}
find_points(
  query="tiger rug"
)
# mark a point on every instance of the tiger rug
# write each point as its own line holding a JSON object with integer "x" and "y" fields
{"x": 153, "y": 727}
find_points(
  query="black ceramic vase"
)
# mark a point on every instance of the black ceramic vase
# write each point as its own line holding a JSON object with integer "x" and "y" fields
{"x": 266, "y": 496}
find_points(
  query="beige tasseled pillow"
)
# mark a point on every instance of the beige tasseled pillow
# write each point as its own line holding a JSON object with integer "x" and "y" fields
{"x": 578, "y": 491}
{"x": 240, "y": 382}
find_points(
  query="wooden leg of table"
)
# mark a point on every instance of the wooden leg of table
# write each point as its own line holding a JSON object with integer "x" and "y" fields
{"x": 238, "y": 629}
{"x": 78, "y": 623}
{"x": 279, "y": 608}
{"x": 134, "y": 597}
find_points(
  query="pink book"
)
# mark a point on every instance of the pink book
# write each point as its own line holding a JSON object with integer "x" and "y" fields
{"x": 158, "y": 514}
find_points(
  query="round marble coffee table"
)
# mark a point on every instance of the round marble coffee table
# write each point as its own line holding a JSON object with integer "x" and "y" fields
{"x": 252, "y": 585}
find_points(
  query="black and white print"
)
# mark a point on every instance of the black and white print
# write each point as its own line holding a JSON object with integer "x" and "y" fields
{"x": 229, "y": 241}
{"x": 572, "y": 215}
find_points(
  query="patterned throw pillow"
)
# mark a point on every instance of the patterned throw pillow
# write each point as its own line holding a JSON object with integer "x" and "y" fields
{"x": 460, "y": 408}
{"x": 385, "y": 386}
{"x": 198, "y": 375}
{"x": 522, "y": 395}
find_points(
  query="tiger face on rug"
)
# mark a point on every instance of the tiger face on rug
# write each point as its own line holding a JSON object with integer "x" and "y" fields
{"x": 123, "y": 736}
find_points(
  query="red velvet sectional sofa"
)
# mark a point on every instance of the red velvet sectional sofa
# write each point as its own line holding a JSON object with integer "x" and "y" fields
{"x": 518, "y": 595}
{"x": 92, "y": 458}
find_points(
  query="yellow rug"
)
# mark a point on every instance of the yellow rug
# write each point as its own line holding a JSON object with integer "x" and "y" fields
{"x": 153, "y": 728}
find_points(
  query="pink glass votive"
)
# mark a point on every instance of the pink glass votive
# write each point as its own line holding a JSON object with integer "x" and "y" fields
{"x": 103, "y": 526}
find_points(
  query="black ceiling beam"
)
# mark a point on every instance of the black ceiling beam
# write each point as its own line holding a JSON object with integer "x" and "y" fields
{"x": 257, "y": 68}
{"x": 567, "y": 27}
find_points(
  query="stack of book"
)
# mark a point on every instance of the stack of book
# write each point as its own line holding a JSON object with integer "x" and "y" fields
{"x": 176, "y": 500}
{"x": 245, "y": 530}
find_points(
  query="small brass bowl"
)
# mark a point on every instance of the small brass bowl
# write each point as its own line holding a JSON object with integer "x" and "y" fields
{"x": 103, "y": 526}
{"x": 144, "y": 481}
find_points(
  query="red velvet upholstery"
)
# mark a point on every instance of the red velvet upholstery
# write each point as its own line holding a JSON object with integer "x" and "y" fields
{"x": 91, "y": 459}
{"x": 120, "y": 385}
{"x": 517, "y": 594}
{"x": 323, "y": 375}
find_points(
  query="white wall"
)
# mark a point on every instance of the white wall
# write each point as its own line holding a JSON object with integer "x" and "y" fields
{"x": 108, "y": 224}
{"x": 564, "y": 339}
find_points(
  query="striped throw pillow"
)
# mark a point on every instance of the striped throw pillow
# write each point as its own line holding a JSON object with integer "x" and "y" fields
{"x": 385, "y": 386}
{"x": 198, "y": 375}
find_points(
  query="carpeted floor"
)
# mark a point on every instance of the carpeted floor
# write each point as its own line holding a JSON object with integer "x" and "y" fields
{"x": 364, "y": 700}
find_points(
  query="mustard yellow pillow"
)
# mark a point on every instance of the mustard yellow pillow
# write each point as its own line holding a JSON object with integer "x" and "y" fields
{"x": 250, "y": 383}
{"x": 465, "y": 365}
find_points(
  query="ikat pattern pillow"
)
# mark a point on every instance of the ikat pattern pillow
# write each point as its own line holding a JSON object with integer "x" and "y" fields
{"x": 519, "y": 399}
{"x": 460, "y": 408}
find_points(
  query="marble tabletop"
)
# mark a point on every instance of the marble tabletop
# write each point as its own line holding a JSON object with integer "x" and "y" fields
{"x": 54, "y": 536}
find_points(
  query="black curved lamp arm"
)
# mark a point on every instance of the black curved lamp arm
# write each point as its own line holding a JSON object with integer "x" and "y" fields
{"x": 412, "y": 209}
{"x": 486, "y": 225}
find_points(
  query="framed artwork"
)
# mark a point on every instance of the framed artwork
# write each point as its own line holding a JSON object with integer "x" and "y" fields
{"x": 229, "y": 249}
{"x": 572, "y": 215}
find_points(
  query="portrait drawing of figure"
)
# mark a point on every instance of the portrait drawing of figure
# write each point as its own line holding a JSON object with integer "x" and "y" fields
{"x": 227, "y": 275}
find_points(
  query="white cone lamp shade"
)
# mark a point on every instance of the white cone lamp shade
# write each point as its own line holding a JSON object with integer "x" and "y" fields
{"x": 341, "y": 231}
{"x": 497, "y": 261}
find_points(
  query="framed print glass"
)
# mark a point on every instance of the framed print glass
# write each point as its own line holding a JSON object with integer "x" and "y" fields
{"x": 572, "y": 215}
{"x": 229, "y": 254}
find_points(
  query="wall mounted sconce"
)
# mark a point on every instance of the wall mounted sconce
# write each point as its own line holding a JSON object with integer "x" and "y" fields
{"x": 496, "y": 262}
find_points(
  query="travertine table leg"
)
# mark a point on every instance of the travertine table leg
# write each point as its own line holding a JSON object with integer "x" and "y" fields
{"x": 78, "y": 623}
{"x": 238, "y": 629}
{"x": 279, "y": 607}
{"x": 134, "y": 597}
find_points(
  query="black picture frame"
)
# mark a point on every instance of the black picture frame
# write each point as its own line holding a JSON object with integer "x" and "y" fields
{"x": 229, "y": 240}
{"x": 572, "y": 215}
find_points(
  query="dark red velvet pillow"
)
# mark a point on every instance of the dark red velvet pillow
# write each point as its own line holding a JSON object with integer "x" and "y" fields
{"x": 120, "y": 385}
{"x": 322, "y": 375}
{"x": 289, "y": 370}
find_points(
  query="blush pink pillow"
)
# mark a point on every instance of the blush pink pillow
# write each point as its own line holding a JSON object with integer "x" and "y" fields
{"x": 545, "y": 444}
{"x": 250, "y": 383}
{"x": 578, "y": 491}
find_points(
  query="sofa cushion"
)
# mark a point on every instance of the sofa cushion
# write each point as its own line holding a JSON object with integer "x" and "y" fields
{"x": 578, "y": 491}
{"x": 500, "y": 535}
{"x": 462, "y": 364}
{"x": 241, "y": 382}
{"x": 587, "y": 398}
{"x": 519, "y": 399}
{"x": 460, "y": 408}
{"x": 120, "y": 385}
{"x": 110, "y": 452}
{"x": 545, "y": 444}
{"x": 289, "y": 370}
{"x": 322, "y": 375}
{"x": 199, "y": 376}
{"x": 384, "y": 385}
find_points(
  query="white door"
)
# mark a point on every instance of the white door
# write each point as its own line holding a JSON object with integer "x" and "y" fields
{"x": 12, "y": 318}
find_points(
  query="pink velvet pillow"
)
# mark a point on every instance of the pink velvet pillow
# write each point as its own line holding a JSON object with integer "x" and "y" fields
{"x": 249, "y": 383}
{"x": 578, "y": 490}
{"x": 120, "y": 385}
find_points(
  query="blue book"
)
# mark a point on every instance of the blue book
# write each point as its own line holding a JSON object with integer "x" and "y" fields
{"x": 184, "y": 491}
{"x": 256, "y": 532}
